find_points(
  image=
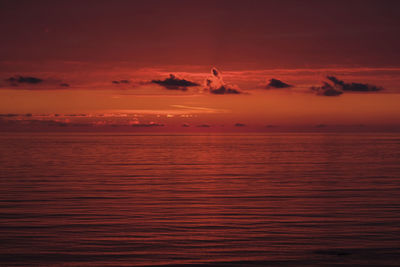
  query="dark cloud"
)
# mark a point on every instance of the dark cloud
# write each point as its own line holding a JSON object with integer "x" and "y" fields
{"x": 79, "y": 124}
{"x": 185, "y": 125}
{"x": 51, "y": 123}
{"x": 23, "y": 80}
{"x": 335, "y": 87}
{"x": 76, "y": 115}
{"x": 9, "y": 115}
{"x": 275, "y": 83}
{"x": 121, "y": 82}
{"x": 357, "y": 87}
{"x": 150, "y": 124}
{"x": 239, "y": 124}
{"x": 224, "y": 90}
{"x": 326, "y": 90}
{"x": 175, "y": 83}
{"x": 32, "y": 123}
{"x": 215, "y": 84}
{"x": 29, "y": 82}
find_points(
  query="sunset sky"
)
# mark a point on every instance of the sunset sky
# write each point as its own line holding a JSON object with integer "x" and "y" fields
{"x": 199, "y": 65}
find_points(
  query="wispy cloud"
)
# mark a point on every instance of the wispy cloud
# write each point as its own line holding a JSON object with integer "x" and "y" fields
{"x": 199, "y": 109}
{"x": 173, "y": 110}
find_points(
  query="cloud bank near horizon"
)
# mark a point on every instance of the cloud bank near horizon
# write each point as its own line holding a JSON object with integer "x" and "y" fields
{"x": 336, "y": 87}
{"x": 175, "y": 83}
{"x": 21, "y": 82}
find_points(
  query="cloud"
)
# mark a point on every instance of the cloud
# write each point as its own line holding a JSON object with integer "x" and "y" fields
{"x": 34, "y": 83}
{"x": 191, "y": 109}
{"x": 175, "y": 83}
{"x": 50, "y": 123}
{"x": 150, "y": 124}
{"x": 275, "y": 83}
{"x": 32, "y": 123}
{"x": 9, "y": 115}
{"x": 326, "y": 90}
{"x": 24, "y": 80}
{"x": 357, "y": 87}
{"x": 239, "y": 124}
{"x": 121, "y": 82}
{"x": 204, "y": 126}
{"x": 216, "y": 85}
{"x": 185, "y": 125}
{"x": 337, "y": 87}
{"x": 76, "y": 115}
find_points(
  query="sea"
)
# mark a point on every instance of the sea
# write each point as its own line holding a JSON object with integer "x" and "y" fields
{"x": 276, "y": 199}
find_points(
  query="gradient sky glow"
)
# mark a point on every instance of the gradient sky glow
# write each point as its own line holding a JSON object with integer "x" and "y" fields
{"x": 81, "y": 50}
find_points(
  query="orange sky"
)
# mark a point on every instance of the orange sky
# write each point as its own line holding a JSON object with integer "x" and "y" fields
{"x": 80, "y": 52}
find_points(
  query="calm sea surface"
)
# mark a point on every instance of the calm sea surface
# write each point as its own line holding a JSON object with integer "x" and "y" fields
{"x": 279, "y": 199}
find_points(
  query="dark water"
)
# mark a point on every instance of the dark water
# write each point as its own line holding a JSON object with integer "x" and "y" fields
{"x": 279, "y": 199}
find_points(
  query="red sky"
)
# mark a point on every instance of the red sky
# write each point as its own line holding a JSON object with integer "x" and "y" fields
{"x": 78, "y": 48}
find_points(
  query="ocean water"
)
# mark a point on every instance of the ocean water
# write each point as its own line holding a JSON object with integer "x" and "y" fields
{"x": 78, "y": 199}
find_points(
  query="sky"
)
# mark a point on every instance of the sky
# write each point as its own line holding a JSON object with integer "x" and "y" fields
{"x": 199, "y": 65}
